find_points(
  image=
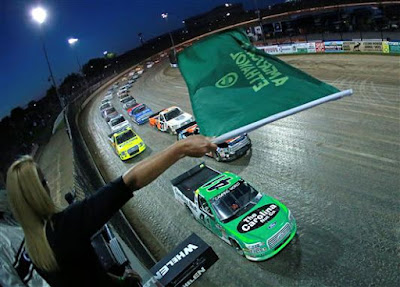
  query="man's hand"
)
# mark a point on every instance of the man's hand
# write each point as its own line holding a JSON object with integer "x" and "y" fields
{"x": 196, "y": 146}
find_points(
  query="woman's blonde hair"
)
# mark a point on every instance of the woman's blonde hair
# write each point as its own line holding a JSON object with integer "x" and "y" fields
{"x": 32, "y": 206}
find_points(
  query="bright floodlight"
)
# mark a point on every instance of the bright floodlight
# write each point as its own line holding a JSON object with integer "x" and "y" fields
{"x": 39, "y": 15}
{"x": 164, "y": 15}
{"x": 72, "y": 41}
{"x": 105, "y": 53}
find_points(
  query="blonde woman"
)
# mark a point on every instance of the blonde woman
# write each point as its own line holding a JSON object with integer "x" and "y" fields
{"x": 58, "y": 242}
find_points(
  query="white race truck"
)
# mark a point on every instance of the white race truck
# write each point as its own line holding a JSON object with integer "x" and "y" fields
{"x": 169, "y": 120}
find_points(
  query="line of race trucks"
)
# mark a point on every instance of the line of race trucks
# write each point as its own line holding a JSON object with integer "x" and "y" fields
{"x": 256, "y": 225}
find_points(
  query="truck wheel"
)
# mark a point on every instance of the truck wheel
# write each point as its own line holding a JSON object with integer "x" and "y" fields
{"x": 170, "y": 131}
{"x": 237, "y": 247}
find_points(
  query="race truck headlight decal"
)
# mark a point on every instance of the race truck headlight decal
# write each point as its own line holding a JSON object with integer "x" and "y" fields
{"x": 257, "y": 247}
{"x": 258, "y": 218}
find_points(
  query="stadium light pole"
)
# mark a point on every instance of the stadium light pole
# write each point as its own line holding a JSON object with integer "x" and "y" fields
{"x": 72, "y": 42}
{"x": 165, "y": 16}
{"x": 39, "y": 15}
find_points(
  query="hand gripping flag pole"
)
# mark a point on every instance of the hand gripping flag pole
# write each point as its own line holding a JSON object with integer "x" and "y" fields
{"x": 251, "y": 127}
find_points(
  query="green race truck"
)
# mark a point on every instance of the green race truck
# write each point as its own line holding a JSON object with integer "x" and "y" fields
{"x": 256, "y": 225}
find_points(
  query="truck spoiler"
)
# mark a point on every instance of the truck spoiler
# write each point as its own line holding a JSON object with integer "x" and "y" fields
{"x": 189, "y": 173}
{"x": 185, "y": 127}
{"x": 191, "y": 180}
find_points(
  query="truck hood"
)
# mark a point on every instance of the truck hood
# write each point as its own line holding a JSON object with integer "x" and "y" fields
{"x": 128, "y": 144}
{"x": 262, "y": 221}
{"x": 180, "y": 119}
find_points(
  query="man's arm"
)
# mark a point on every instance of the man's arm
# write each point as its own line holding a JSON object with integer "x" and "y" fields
{"x": 149, "y": 169}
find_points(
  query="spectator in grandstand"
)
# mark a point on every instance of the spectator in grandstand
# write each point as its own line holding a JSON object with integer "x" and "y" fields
{"x": 58, "y": 242}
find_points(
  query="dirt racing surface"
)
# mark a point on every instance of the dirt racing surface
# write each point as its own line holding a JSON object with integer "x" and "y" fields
{"x": 335, "y": 166}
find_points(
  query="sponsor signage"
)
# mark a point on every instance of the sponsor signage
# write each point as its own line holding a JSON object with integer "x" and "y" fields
{"x": 319, "y": 47}
{"x": 185, "y": 264}
{"x": 273, "y": 50}
{"x": 288, "y": 49}
{"x": 234, "y": 186}
{"x": 333, "y": 46}
{"x": 174, "y": 260}
{"x": 362, "y": 46}
{"x": 394, "y": 47}
{"x": 305, "y": 47}
{"x": 385, "y": 47}
{"x": 375, "y": 46}
{"x": 258, "y": 218}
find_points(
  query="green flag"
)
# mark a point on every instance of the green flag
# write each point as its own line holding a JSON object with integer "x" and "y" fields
{"x": 232, "y": 84}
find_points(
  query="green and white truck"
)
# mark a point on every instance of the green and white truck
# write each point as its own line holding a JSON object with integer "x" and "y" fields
{"x": 256, "y": 225}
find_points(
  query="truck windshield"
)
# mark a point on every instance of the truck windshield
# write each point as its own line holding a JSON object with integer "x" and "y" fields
{"x": 110, "y": 111}
{"x": 127, "y": 99}
{"x": 125, "y": 136}
{"x": 235, "y": 202}
{"x": 139, "y": 109}
{"x": 117, "y": 121}
{"x": 105, "y": 106}
{"x": 172, "y": 114}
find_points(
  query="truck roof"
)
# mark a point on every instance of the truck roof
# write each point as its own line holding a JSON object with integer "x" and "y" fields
{"x": 169, "y": 109}
{"x": 218, "y": 185}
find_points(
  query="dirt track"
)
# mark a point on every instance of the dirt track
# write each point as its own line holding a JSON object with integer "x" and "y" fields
{"x": 335, "y": 166}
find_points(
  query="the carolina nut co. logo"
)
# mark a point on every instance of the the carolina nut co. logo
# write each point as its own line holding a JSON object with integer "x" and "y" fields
{"x": 258, "y": 218}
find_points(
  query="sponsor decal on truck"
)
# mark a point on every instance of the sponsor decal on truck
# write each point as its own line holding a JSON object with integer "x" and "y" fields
{"x": 258, "y": 218}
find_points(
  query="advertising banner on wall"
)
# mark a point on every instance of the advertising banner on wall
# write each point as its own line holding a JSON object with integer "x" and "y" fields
{"x": 272, "y": 50}
{"x": 385, "y": 47}
{"x": 319, "y": 47}
{"x": 394, "y": 47}
{"x": 362, "y": 46}
{"x": 333, "y": 46}
{"x": 305, "y": 47}
{"x": 288, "y": 49}
{"x": 301, "y": 48}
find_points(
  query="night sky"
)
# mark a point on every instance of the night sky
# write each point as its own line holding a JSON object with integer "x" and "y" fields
{"x": 98, "y": 24}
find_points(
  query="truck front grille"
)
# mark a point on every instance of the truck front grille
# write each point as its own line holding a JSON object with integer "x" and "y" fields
{"x": 279, "y": 236}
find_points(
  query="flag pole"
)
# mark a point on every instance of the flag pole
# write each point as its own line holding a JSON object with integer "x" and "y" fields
{"x": 251, "y": 127}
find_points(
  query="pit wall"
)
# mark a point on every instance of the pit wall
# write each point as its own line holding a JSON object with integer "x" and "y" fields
{"x": 355, "y": 46}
